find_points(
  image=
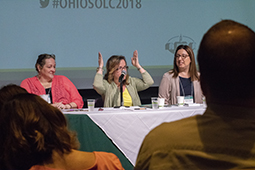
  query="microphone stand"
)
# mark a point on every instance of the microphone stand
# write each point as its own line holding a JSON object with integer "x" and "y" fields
{"x": 121, "y": 94}
{"x": 121, "y": 89}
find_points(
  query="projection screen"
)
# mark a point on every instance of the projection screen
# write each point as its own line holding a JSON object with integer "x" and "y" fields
{"x": 76, "y": 30}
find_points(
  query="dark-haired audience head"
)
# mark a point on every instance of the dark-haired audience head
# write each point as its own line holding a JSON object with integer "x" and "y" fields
{"x": 226, "y": 59}
{"x": 113, "y": 70}
{"x": 8, "y": 91}
{"x": 31, "y": 130}
{"x": 41, "y": 60}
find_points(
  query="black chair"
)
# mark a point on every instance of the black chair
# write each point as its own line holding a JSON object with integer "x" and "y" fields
{"x": 99, "y": 102}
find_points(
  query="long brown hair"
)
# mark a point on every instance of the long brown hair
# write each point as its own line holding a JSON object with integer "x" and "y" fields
{"x": 111, "y": 64}
{"x": 30, "y": 130}
{"x": 192, "y": 69}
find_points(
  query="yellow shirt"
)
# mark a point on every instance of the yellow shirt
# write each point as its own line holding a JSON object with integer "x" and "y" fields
{"x": 127, "y": 98}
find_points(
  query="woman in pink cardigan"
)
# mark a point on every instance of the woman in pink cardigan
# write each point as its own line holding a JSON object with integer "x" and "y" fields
{"x": 60, "y": 91}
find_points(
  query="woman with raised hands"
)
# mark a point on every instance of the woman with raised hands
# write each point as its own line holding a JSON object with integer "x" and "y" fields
{"x": 108, "y": 86}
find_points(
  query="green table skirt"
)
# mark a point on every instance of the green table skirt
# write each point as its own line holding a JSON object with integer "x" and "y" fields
{"x": 92, "y": 138}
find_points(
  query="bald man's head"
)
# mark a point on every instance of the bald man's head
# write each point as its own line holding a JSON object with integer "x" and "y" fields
{"x": 226, "y": 59}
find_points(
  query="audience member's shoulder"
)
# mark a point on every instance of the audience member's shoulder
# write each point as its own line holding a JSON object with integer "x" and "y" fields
{"x": 106, "y": 156}
{"x": 186, "y": 125}
{"x": 109, "y": 160}
{"x": 187, "y": 121}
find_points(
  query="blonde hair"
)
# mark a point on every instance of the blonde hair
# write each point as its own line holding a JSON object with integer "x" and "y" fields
{"x": 111, "y": 64}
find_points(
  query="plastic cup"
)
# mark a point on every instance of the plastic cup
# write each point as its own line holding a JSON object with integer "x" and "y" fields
{"x": 91, "y": 104}
{"x": 154, "y": 103}
{"x": 204, "y": 101}
{"x": 180, "y": 101}
{"x": 161, "y": 102}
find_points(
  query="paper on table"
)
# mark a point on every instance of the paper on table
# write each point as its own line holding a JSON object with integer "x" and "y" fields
{"x": 192, "y": 104}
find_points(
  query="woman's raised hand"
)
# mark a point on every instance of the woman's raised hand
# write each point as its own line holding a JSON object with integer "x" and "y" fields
{"x": 100, "y": 64}
{"x": 100, "y": 60}
{"x": 134, "y": 59}
{"x": 135, "y": 62}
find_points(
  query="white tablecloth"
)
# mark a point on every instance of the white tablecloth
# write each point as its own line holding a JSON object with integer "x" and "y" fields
{"x": 127, "y": 127}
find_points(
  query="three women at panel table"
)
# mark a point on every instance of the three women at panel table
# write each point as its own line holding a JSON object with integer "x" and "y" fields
{"x": 183, "y": 79}
{"x": 108, "y": 86}
{"x": 34, "y": 135}
{"x": 62, "y": 92}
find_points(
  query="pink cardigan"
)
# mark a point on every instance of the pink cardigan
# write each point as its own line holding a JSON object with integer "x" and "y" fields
{"x": 62, "y": 89}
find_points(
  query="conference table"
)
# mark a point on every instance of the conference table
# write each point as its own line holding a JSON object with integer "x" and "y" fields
{"x": 122, "y": 130}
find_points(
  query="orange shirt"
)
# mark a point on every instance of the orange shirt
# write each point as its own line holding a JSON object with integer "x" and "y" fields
{"x": 104, "y": 161}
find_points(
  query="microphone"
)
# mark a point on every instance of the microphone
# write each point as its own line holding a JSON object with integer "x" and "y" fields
{"x": 123, "y": 73}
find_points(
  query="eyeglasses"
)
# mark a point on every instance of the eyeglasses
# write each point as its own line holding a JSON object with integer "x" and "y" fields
{"x": 183, "y": 56}
{"x": 121, "y": 68}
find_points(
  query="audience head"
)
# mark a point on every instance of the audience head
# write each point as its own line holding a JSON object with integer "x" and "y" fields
{"x": 226, "y": 59}
{"x": 114, "y": 66}
{"x": 184, "y": 55}
{"x": 8, "y": 91}
{"x": 31, "y": 130}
